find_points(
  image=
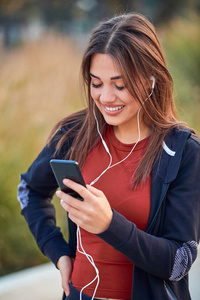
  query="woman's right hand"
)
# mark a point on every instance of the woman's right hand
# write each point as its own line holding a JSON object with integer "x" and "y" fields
{"x": 65, "y": 265}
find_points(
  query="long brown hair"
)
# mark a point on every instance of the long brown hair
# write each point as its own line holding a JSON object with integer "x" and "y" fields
{"x": 131, "y": 41}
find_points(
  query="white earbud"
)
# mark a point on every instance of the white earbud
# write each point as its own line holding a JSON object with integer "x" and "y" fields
{"x": 154, "y": 80}
{"x": 152, "y": 88}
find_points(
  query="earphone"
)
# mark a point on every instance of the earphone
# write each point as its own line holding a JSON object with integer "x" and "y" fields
{"x": 154, "y": 81}
{"x": 152, "y": 88}
{"x": 82, "y": 251}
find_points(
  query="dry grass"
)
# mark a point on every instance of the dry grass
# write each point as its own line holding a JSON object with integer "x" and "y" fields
{"x": 39, "y": 84}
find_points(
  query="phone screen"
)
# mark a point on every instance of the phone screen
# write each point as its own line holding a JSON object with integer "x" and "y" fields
{"x": 67, "y": 169}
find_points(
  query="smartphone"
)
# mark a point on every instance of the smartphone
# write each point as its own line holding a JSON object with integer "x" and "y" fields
{"x": 67, "y": 169}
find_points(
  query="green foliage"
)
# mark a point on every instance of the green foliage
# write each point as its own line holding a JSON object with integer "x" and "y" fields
{"x": 180, "y": 40}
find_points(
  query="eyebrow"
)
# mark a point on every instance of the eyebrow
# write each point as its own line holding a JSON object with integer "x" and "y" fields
{"x": 112, "y": 78}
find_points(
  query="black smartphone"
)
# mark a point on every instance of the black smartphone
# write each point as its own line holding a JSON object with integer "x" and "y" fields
{"x": 67, "y": 169}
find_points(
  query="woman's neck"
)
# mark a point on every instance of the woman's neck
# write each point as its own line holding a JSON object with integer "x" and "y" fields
{"x": 130, "y": 136}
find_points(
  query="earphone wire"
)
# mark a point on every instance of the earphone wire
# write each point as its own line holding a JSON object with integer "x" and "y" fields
{"x": 104, "y": 143}
{"x": 106, "y": 148}
{"x": 90, "y": 259}
{"x": 78, "y": 233}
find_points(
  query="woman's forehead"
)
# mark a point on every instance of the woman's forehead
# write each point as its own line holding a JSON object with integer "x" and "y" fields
{"x": 104, "y": 65}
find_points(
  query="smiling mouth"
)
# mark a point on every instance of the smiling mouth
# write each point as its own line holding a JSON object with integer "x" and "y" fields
{"x": 114, "y": 108}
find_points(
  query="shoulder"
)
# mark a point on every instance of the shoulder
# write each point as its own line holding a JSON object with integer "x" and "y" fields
{"x": 187, "y": 147}
{"x": 194, "y": 141}
{"x": 181, "y": 149}
{"x": 191, "y": 152}
{"x": 183, "y": 139}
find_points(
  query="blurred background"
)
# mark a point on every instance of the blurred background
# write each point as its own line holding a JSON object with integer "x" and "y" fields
{"x": 41, "y": 45}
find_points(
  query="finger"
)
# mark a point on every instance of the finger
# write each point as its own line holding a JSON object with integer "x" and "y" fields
{"x": 80, "y": 189}
{"x": 94, "y": 190}
{"x": 65, "y": 267}
{"x": 75, "y": 220}
{"x": 59, "y": 194}
{"x": 66, "y": 288}
{"x": 71, "y": 208}
{"x": 67, "y": 199}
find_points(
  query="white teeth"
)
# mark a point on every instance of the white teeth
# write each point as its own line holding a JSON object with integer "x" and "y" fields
{"x": 114, "y": 108}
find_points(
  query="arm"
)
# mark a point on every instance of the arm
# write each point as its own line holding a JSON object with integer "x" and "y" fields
{"x": 170, "y": 254}
{"x": 174, "y": 245}
{"x": 35, "y": 192}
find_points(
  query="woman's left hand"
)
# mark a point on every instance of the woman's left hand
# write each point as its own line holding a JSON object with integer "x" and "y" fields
{"x": 94, "y": 214}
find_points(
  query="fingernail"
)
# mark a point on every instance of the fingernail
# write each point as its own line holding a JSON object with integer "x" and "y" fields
{"x": 58, "y": 193}
{"x": 66, "y": 180}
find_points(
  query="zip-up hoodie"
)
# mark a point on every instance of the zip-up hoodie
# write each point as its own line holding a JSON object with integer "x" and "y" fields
{"x": 164, "y": 253}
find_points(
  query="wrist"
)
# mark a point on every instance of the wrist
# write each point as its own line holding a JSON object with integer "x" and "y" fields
{"x": 63, "y": 260}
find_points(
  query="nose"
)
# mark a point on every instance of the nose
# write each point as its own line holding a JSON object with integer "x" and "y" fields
{"x": 107, "y": 95}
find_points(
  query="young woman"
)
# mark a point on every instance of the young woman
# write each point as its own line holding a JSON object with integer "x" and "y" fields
{"x": 138, "y": 226}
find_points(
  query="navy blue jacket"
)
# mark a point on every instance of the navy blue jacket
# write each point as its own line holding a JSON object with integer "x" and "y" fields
{"x": 164, "y": 253}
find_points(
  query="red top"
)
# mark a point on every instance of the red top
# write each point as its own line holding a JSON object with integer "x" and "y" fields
{"x": 115, "y": 270}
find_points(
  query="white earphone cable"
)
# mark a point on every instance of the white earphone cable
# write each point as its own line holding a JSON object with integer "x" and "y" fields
{"x": 78, "y": 233}
{"x": 104, "y": 143}
{"x": 107, "y": 150}
{"x": 90, "y": 259}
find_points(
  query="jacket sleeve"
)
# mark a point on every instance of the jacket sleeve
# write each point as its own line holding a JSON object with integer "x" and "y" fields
{"x": 170, "y": 253}
{"x": 35, "y": 193}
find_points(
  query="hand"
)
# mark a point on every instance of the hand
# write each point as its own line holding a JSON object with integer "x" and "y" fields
{"x": 94, "y": 214}
{"x": 65, "y": 265}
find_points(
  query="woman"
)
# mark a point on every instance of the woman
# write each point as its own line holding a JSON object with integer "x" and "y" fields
{"x": 138, "y": 226}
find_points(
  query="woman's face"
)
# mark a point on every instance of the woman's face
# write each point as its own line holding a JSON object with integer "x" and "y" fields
{"x": 118, "y": 107}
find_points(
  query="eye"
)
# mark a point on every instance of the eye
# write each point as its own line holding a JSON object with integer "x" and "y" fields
{"x": 96, "y": 85}
{"x": 120, "y": 88}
